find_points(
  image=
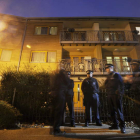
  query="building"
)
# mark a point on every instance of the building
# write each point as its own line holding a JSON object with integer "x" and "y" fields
{"x": 75, "y": 43}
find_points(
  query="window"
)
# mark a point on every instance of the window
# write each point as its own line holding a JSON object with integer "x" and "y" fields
{"x": 138, "y": 29}
{"x": 6, "y": 55}
{"x": 109, "y": 60}
{"x": 125, "y": 63}
{"x": 41, "y": 30}
{"x": 51, "y": 57}
{"x": 38, "y": 57}
{"x": 117, "y": 63}
{"x": 53, "y": 30}
{"x": 120, "y": 63}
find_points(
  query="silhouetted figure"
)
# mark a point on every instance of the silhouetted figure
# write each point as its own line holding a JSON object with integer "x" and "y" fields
{"x": 69, "y": 99}
{"x": 61, "y": 83}
{"x": 133, "y": 85}
{"x": 115, "y": 90}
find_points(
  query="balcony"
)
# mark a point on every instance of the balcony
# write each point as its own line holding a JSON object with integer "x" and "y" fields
{"x": 79, "y": 67}
{"x": 98, "y": 37}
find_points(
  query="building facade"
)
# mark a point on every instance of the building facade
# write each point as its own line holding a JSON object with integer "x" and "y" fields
{"x": 76, "y": 44}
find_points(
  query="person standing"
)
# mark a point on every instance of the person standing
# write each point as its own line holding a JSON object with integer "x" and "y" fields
{"x": 115, "y": 90}
{"x": 61, "y": 83}
{"x": 90, "y": 89}
{"x": 69, "y": 99}
{"x": 132, "y": 83}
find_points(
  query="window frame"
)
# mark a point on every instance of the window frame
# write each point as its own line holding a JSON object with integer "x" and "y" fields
{"x": 1, "y": 54}
{"x": 116, "y": 56}
{"x": 47, "y": 57}
{"x": 120, "y": 56}
{"x": 42, "y": 34}
{"x": 50, "y": 28}
{"x": 38, "y": 51}
{"x": 138, "y": 29}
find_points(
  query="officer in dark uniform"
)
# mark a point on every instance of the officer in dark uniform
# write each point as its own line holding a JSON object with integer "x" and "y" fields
{"x": 115, "y": 89}
{"x": 90, "y": 89}
{"x": 61, "y": 83}
{"x": 134, "y": 86}
{"x": 69, "y": 99}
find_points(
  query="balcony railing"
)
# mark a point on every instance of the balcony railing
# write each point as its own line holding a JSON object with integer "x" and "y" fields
{"x": 96, "y": 65}
{"x": 98, "y": 37}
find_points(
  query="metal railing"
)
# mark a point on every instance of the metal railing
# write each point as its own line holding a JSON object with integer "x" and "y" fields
{"x": 98, "y": 36}
{"x": 96, "y": 65}
{"x": 128, "y": 108}
{"x": 37, "y": 106}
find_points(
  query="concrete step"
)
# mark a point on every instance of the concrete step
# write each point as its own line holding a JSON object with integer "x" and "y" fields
{"x": 92, "y": 129}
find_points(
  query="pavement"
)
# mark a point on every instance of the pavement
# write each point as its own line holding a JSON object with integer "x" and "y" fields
{"x": 92, "y": 132}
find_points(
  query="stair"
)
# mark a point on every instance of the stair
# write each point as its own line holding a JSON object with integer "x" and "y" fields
{"x": 92, "y": 129}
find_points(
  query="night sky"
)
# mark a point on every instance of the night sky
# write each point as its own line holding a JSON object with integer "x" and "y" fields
{"x": 70, "y": 8}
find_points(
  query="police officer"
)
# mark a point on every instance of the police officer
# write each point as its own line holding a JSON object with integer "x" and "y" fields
{"x": 61, "y": 83}
{"x": 90, "y": 89}
{"x": 115, "y": 89}
{"x": 134, "y": 86}
{"x": 69, "y": 99}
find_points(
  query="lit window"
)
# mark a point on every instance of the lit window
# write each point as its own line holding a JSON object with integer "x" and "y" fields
{"x": 109, "y": 60}
{"x": 106, "y": 36}
{"x": 53, "y": 30}
{"x": 38, "y": 57}
{"x": 6, "y": 55}
{"x": 41, "y": 30}
{"x": 125, "y": 63}
{"x": 138, "y": 29}
{"x": 51, "y": 57}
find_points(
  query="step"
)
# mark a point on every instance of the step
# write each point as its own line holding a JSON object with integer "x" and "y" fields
{"x": 91, "y": 130}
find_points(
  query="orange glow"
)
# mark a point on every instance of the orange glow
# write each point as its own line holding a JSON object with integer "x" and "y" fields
{"x": 3, "y": 26}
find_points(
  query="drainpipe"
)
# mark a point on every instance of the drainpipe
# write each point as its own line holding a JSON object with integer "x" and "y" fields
{"x": 22, "y": 45}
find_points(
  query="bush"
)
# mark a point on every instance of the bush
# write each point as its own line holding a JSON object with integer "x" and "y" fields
{"x": 32, "y": 97}
{"x": 8, "y": 115}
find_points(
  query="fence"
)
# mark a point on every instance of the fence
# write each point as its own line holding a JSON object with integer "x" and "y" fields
{"x": 128, "y": 109}
{"x": 34, "y": 105}
{"x": 38, "y": 106}
{"x": 98, "y": 36}
{"x": 97, "y": 65}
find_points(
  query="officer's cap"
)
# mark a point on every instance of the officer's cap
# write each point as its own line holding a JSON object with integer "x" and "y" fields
{"x": 89, "y": 71}
{"x": 68, "y": 72}
{"x": 135, "y": 62}
{"x": 108, "y": 65}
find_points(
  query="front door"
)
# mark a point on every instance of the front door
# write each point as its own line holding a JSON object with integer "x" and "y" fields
{"x": 79, "y": 109}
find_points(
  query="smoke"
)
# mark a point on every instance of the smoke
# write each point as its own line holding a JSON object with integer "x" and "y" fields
{"x": 11, "y": 29}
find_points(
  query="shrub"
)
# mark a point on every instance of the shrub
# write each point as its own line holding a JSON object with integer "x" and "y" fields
{"x": 32, "y": 97}
{"x": 8, "y": 115}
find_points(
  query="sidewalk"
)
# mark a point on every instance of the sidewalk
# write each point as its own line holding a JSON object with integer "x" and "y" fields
{"x": 74, "y": 133}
